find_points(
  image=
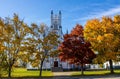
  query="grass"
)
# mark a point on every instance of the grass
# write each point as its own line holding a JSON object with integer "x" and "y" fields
{"x": 103, "y": 72}
{"x": 22, "y": 72}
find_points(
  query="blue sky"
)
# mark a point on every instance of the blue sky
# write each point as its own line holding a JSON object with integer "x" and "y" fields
{"x": 73, "y": 11}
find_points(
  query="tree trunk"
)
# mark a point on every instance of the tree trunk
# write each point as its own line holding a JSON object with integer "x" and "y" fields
{"x": 42, "y": 63}
{"x": 9, "y": 72}
{"x": 111, "y": 66}
{"x": 82, "y": 70}
{"x": 41, "y": 68}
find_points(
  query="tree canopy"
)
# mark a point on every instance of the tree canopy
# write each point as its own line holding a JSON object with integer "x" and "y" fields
{"x": 74, "y": 49}
{"x": 104, "y": 37}
{"x": 13, "y": 33}
{"x": 41, "y": 44}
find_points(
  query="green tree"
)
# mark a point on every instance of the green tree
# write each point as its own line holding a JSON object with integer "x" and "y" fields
{"x": 42, "y": 43}
{"x": 102, "y": 36}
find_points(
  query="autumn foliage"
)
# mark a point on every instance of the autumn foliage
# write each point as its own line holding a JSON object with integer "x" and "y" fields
{"x": 74, "y": 49}
{"x": 104, "y": 37}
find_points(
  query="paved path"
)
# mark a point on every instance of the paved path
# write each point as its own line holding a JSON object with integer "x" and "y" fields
{"x": 67, "y": 75}
{"x": 62, "y": 73}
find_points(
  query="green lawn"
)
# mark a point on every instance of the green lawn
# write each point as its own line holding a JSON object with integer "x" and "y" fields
{"x": 103, "y": 72}
{"x": 22, "y": 72}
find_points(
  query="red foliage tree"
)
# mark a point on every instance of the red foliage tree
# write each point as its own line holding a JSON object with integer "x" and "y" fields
{"x": 74, "y": 49}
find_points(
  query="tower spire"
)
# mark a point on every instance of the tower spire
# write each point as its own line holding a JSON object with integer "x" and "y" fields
{"x": 60, "y": 19}
{"x": 51, "y": 18}
{"x": 59, "y": 12}
{"x": 67, "y": 31}
{"x": 51, "y": 12}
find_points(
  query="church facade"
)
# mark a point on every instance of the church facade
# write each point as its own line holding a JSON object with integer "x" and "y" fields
{"x": 54, "y": 62}
{"x": 56, "y": 26}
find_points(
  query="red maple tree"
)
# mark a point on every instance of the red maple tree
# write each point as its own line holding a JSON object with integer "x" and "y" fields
{"x": 74, "y": 49}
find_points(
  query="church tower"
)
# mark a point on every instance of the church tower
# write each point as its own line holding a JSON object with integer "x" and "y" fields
{"x": 56, "y": 23}
{"x": 57, "y": 28}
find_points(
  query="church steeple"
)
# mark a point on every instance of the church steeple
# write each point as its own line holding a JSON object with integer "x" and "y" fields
{"x": 51, "y": 18}
{"x": 59, "y": 12}
{"x": 51, "y": 12}
{"x": 66, "y": 31}
{"x": 56, "y": 20}
{"x": 60, "y": 19}
{"x": 56, "y": 23}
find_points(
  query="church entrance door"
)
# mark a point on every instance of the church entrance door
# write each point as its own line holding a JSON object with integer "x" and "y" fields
{"x": 55, "y": 63}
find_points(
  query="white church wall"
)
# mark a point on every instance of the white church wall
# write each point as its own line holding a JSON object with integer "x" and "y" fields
{"x": 107, "y": 65}
{"x": 64, "y": 65}
{"x": 46, "y": 65}
{"x": 94, "y": 66}
{"x": 29, "y": 66}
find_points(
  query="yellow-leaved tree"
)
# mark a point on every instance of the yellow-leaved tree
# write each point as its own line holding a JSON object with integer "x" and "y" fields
{"x": 41, "y": 44}
{"x": 14, "y": 32}
{"x": 3, "y": 63}
{"x": 104, "y": 37}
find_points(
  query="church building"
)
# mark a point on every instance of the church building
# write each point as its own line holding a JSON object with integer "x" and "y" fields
{"x": 54, "y": 63}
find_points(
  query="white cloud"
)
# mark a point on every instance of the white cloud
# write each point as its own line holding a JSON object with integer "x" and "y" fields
{"x": 110, "y": 12}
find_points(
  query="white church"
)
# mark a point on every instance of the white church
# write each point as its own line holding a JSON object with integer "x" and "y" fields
{"x": 51, "y": 63}
{"x": 54, "y": 64}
